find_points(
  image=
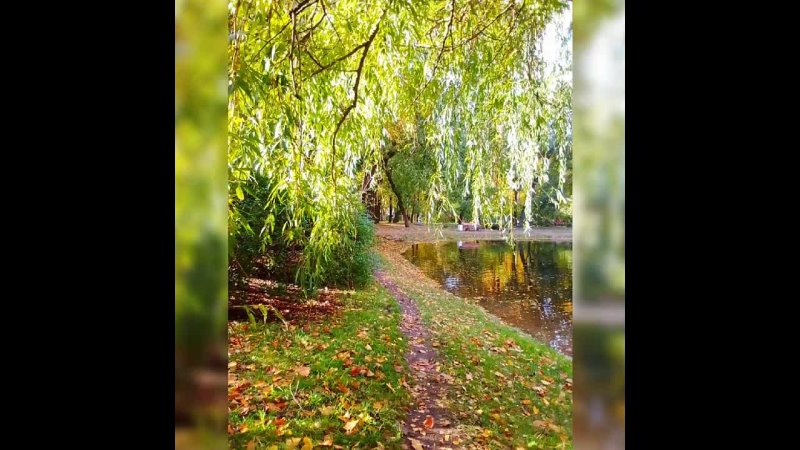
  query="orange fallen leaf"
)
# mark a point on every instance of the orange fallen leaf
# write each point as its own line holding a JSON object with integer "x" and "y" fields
{"x": 251, "y": 445}
{"x": 526, "y": 402}
{"x": 428, "y": 423}
{"x": 308, "y": 444}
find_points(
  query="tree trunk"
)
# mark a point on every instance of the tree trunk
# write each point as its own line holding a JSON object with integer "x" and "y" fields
{"x": 388, "y": 171}
{"x": 406, "y": 220}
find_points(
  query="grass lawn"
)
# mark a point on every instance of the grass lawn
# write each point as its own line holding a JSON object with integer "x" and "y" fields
{"x": 337, "y": 382}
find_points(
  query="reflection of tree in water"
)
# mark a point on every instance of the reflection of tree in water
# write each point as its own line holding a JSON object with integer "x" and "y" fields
{"x": 529, "y": 285}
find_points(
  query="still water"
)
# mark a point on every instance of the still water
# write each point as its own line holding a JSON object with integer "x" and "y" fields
{"x": 528, "y": 286}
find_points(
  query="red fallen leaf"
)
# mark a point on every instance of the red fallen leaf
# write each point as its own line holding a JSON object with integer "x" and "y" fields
{"x": 355, "y": 371}
{"x": 428, "y": 423}
{"x": 280, "y": 421}
{"x": 230, "y": 429}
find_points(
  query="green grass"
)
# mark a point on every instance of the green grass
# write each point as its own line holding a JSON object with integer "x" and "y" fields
{"x": 274, "y": 405}
{"x": 514, "y": 391}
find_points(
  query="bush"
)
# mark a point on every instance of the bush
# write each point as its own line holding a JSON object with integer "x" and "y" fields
{"x": 353, "y": 263}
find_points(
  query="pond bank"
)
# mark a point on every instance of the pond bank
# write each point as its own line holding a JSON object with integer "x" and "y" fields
{"x": 504, "y": 388}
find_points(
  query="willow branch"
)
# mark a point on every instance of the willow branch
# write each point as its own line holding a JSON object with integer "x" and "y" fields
{"x": 352, "y": 105}
{"x": 441, "y": 51}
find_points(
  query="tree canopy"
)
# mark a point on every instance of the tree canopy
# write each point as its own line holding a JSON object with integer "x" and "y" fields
{"x": 321, "y": 91}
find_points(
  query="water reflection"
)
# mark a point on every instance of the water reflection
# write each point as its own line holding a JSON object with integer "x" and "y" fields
{"x": 528, "y": 286}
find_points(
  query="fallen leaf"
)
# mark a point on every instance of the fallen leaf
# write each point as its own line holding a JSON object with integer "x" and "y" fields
{"x": 307, "y": 444}
{"x": 540, "y": 423}
{"x": 243, "y": 429}
{"x": 350, "y": 426}
{"x": 390, "y": 387}
{"x": 377, "y": 406}
{"x": 326, "y": 410}
{"x": 416, "y": 444}
{"x": 303, "y": 371}
{"x": 499, "y": 374}
{"x": 251, "y": 445}
{"x": 428, "y": 423}
{"x": 526, "y": 402}
{"x": 292, "y": 443}
{"x": 368, "y": 347}
{"x": 232, "y": 365}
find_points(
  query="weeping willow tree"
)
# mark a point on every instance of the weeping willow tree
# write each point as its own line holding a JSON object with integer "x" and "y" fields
{"x": 323, "y": 93}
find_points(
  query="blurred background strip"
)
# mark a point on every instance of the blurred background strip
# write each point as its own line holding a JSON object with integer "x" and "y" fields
{"x": 599, "y": 239}
{"x": 200, "y": 224}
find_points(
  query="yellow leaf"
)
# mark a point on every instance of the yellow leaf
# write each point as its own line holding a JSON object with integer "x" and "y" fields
{"x": 350, "y": 426}
{"x": 326, "y": 410}
{"x": 307, "y": 444}
{"x": 416, "y": 444}
{"x": 292, "y": 443}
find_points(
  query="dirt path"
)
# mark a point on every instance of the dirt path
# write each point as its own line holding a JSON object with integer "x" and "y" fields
{"x": 430, "y": 386}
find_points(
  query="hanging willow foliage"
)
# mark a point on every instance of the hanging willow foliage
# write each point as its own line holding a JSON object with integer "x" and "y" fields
{"x": 320, "y": 89}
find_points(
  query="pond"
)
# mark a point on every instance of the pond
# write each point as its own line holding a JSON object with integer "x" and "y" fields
{"x": 528, "y": 286}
